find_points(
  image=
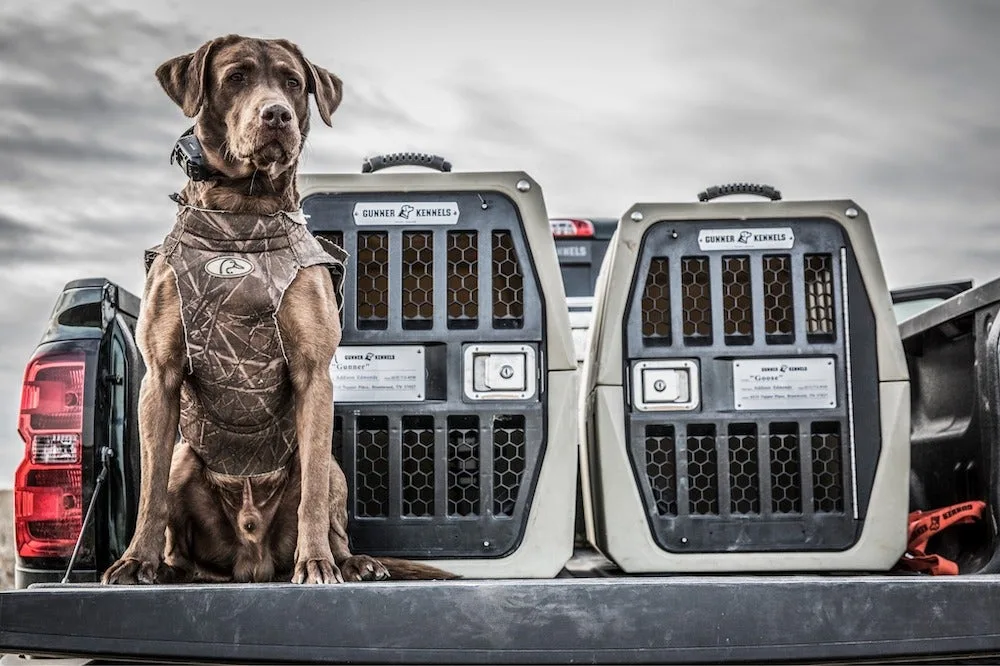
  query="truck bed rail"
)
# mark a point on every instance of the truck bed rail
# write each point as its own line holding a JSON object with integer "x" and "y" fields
{"x": 680, "y": 619}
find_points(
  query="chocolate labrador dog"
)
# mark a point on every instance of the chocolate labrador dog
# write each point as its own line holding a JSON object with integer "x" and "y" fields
{"x": 239, "y": 324}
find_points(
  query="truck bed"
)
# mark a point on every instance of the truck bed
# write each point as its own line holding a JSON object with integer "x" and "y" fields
{"x": 590, "y": 614}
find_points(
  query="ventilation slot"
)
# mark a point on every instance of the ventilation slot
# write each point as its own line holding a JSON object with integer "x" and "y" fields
{"x": 418, "y": 466}
{"x": 661, "y": 468}
{"x": 372, "y": 487}
{"x": 786, "y": 474}
{"x": 338, "y": 439}
{"x": 508, "y": 462}
{"x": 373, "y": 281}
{"x": 779, "y": 306}
{"x": 508, "y": 283}
{"x": 820, "y": 317}
{"x": 696, "y": 300}
{"x": 827, "y": 472}
{"x": 418, "y": 280}
{"x": 463, "y": 280}
{"x": 703, "y": 470}
{"x": 335, "y": 237}
{"x": 463, "y": 466}
{"x": 656, "y": 303}
{"x": 737, "y": 300}
{"x": 744, "y": 472}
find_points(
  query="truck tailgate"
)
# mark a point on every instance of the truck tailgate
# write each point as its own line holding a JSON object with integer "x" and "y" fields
{"x": 681, "y": 619}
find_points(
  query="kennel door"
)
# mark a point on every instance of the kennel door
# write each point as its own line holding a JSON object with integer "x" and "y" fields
{"x": 455, "y": 382}
{"x": 748, "y": 392}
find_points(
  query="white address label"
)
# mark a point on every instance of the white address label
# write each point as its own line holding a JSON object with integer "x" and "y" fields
{"x": 772, "y": 238}
{"x": 404, "y": 212}
{"x": 379, "y": 373}
{"x": 785, "y": 383}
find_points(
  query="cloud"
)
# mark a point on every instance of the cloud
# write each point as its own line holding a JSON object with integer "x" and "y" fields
{"x": 891, "y": 103}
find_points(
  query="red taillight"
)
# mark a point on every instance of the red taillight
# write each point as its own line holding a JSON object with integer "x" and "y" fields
{"x": 48, "y": 489}
{"x": 571, "y": 228}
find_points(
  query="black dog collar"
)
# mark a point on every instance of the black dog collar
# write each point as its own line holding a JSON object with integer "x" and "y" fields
{"x": 188, "y": 155}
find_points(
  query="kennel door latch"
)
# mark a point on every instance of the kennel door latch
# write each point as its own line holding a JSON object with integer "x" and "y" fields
{"x": 500, "y": 372}
{"x": 666, "y": 385}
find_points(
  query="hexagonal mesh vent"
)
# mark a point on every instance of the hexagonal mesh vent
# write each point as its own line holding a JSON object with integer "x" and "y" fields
{"x": 744, "y": 473}
{"x": 373, "y": 280}
{"x": 661, "y": 468}
{"x": 786, "y": 472}
{"x": 508, "y": 462}
{"x": 737, "y": 300}
{"x": 820, "y": 317}
{"x": 779, "y": 307}
{"x": 463, "y": 465}
{"x": 463, "y": 280}
{"x": 696, "y": 300}
{"x": 703, "y": 470}
{"x": 418, "y": 280}
{"x": 656, "y": 303}
{"x": 372, "y": 462}
{"x": 508, "y": 283}
{"x": 337, "y": 237}
{"x": 827, "y": 473}
{"x": 418, "y": 465}
{"x": 338, "y": 439}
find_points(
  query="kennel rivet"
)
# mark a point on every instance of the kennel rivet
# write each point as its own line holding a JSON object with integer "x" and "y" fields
{"x": 636, "y": 216}
{"x": 523, "y": 185}
{"x": 684, "y": 539}
{"x": 486, "y": 544}
{"x": 851, "y": 212}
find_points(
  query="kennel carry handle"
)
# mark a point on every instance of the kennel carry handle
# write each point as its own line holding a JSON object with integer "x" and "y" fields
{"x": 730, "y": 189}
{"x": 379, "y": 162}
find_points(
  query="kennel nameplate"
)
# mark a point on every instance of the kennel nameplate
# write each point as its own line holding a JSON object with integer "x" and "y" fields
{"x": 379, "y": 373}
{"x": 785, "y": 383}
{"x": 758, "y": 238}
{"x": 406, "y": 212}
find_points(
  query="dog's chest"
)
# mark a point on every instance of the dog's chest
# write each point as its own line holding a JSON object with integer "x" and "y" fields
{"x": 247, "y": 295}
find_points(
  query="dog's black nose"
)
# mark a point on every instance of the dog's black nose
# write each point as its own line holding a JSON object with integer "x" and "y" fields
{"x": 276, "y": 116}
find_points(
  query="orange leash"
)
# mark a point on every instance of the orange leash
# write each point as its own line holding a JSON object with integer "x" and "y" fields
{"x": 925, "y": 524}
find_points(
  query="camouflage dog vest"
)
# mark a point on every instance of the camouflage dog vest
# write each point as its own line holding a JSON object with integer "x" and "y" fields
{"x": 232, "y": 269}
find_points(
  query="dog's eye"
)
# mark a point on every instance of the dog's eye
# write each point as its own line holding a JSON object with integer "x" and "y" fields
{"x": 293, "y": 83}
{"x": 237, "y": 77}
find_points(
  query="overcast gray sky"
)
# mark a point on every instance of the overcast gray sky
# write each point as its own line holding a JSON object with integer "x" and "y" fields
{"x": 891, "y": 103}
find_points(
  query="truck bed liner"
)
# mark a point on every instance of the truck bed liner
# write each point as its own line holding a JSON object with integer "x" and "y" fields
{"x": 677, "y": 619}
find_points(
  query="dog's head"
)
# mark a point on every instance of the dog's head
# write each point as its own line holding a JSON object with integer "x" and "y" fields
{"x": 251, "y": 100}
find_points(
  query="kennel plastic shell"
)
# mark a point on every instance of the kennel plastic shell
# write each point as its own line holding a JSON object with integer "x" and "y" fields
{"x": 745, "y": 404}
{"x": 455, "y": 384}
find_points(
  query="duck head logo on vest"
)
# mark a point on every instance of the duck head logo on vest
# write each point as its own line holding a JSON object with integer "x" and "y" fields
{"x": 228, "y": 267}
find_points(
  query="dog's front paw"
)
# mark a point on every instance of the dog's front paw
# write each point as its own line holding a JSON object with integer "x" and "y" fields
{"x": 131, "y": 571}
{"x": 316, "y": 570}
{"x": 363, "y": 567}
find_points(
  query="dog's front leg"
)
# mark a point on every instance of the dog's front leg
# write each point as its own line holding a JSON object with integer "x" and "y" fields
{"x": 310, "y": 330}
{"x": 160, "y": 338}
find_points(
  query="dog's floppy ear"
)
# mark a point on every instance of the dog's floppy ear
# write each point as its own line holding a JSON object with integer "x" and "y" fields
{"x": 183, "y": 78}
{"x": 325, "y": 86}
